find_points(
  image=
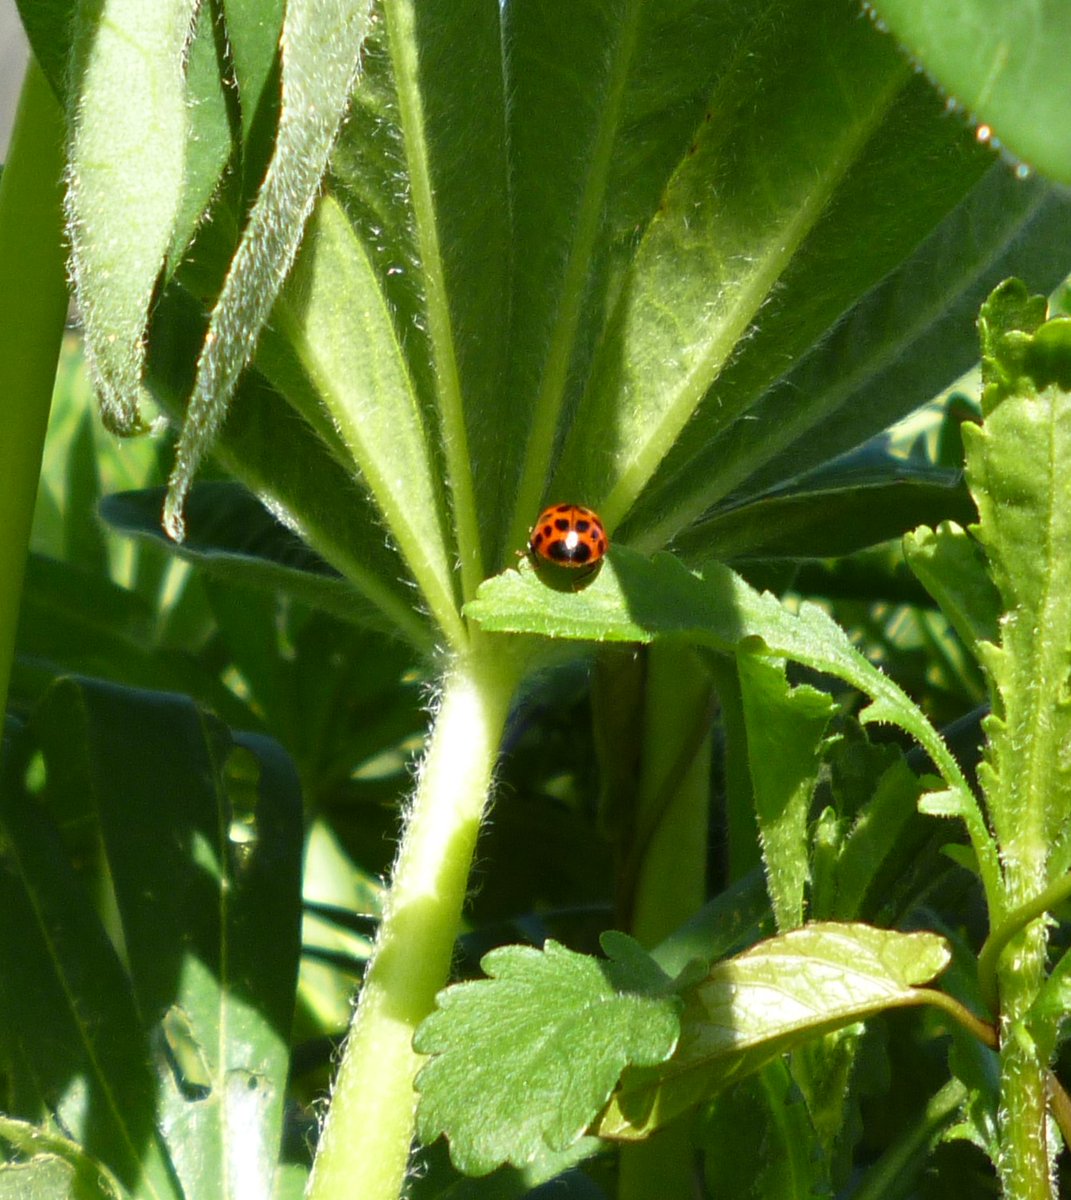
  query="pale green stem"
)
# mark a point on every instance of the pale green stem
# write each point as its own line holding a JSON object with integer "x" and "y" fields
{"x": 33, "y": 306}
{"x": 1026, "y": 1167}
{"x": 365, "y": 1144}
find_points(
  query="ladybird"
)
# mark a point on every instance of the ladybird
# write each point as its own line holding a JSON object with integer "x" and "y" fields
{"x": 569, "y": 536}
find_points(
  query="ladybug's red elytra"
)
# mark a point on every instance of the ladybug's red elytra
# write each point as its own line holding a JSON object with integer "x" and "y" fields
{"x": 569, "y": 536}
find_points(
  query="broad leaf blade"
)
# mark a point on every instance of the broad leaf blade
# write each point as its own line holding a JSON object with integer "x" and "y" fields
{"x": 1003, "y": 63}
{"x": 204, "y": 856}
{"x": 635, "y": 599}
{"x": 854, "y": 504}
{"x": 727, "y": 229}
{"x": 773, "y": 997}
{"x": 74, "y": 1041}
{"x": 337, "y": 318}
{"x": 898, "y": 345}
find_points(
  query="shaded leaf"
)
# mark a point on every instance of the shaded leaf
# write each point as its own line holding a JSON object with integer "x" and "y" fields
{"x": 785, "y": 730}
{"x": 321, "y": 48}
{"x": 204, "y": 857}
{"x": 232, "y": 536}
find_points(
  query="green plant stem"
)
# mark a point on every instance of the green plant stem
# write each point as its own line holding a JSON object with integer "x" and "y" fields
{"x": 364, "y": 1147}
{"x": 1025, "y": 1168}
{"x": 33, "y": 307}
{"x": 989, "y": 957}
{"x": 670, "y": 882}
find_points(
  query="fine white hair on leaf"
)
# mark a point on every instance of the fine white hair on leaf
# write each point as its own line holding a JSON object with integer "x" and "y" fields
{"x": 320, "y": 44}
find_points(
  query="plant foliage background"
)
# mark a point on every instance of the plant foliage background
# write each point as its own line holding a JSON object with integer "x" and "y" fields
{"x": 374, "y": 282}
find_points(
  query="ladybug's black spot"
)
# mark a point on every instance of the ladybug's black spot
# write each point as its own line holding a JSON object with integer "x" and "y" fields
{"x": 574, "y": 556}
{"x": 582, "y": 525}
{"x": 562, "y": 523}
{"x": 537, "y": 538}
{"x": 563, "y": 508}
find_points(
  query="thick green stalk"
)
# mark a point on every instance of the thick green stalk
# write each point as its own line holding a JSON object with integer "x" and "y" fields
{"x": 33, "y": 306}
{"x": 1027, "y": 1160}
{"x": 364, "y": 1148}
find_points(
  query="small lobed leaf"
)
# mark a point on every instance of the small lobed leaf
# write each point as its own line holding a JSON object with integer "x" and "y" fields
{"x": 785, "y": 729}
{"x": 770, "y": 999}
{"x": 523, "y": 1061}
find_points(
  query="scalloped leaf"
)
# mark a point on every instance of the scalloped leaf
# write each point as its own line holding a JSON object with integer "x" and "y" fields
{"x": 637, "y": 599}
{"x": 1017, "y": 464}
{"x": 523, "y": 1061}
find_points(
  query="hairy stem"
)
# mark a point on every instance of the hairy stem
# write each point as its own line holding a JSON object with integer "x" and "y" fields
{"x": 364, "y": 1148}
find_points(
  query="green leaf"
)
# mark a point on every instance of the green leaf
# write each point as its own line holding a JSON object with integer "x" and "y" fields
{"x": 203, "y": 842}
{"x": 1003, "y": 64}
{"x": 129, "y": 120}
{"x": 688, "y": 298}
{"x": 51, "y": 1166}
{"x": 951, "y": 566}
{"x": 448, "y": 59}
{"x": 208, "y": 141}
{"x": 765, "y": 1121}
{"x": 253, "y": 28}
{"x": 321, "y": 52}
{"x": 637, "y": 599}
{"x": 293, "y": 473}
{"x": 50, "y": 27}
{"x": 524, "y": 1060}
{"x": 900, "y": 342}
{"x": 232, "y": 536}
{"x": 74, "y": 1044}
{"x": 873, "y": 836}
{"x": 785, "y": 730}
{"x": 768, "y": 1000}
{"x": 1016, "y": 467}
{"x": 853, "y": 504}
{"x": 336, "y": 317}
